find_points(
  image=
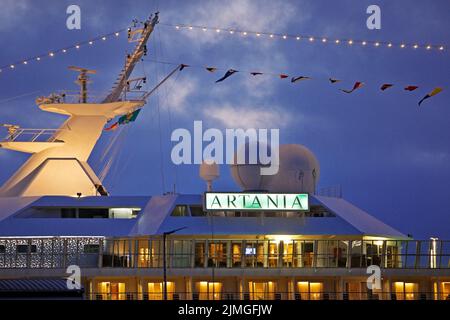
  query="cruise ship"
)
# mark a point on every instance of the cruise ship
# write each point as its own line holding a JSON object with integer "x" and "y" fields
{"x": 272, "y": 238}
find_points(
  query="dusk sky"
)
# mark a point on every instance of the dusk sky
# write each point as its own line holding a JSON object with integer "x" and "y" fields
{"x": 391, "y": 157}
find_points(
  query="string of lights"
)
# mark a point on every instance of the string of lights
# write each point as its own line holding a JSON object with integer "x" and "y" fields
{"x": 309, "y": 38}
{"x": 64, "y": 50}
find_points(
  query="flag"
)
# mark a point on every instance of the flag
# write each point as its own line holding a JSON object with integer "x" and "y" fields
{"x": 386, "y": 86}
{"x": 229, "y": 73}
{"x": 130, "y": 117}
{"x": 432, "y": 93}
{"x": 300, "y": 78}
{"x": 256, "y": 73}
{"x": 113, "y": 127}
{"x": 182, "y": 66}
{"x": 283, "y": 76}
{"x": 334, "y": 80}
{"x": 357, "y": 85}
{"x": 411, "y": 88}
{"x": 211, "y": 69}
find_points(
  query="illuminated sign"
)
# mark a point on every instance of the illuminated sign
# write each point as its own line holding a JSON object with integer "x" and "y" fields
{"x": 238, "y": 201}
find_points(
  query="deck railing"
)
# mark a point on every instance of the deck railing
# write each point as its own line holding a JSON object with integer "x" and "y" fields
{"x": 138, "y": 253}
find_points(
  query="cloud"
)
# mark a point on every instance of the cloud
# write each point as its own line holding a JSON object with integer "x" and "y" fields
{"x": 248, "y": 117}
{"x": 179, "y": 93}
{"x": 11, "y": 12}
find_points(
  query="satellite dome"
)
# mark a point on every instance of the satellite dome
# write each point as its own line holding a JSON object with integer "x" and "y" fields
{"x": 299, "y": 171}
{"x": 248, "y": 175}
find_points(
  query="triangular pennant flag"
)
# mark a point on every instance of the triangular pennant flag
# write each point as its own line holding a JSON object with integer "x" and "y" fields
{"x": 227, "y": 74}
{"x": 432, "y": 93}
{"x": 283, "y": 76}
{"x": 300, "y": 78}
{"x": 411, "y": 88}
{"x": 130, "y": 117}
{"x": 386, "y": 86}
{"x": 211, "y": 69}
{"x": 182, "y": 66}
{"x": 256, "y": 73}
{"x": 334, "y": 80}
{"x": 357, "y": 85}
{"x": 113, "y": 127}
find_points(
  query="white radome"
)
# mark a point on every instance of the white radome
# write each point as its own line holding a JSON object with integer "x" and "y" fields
{"x": 299, "y": 171}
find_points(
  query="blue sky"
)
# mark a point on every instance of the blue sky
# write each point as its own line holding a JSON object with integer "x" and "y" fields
{"x": 391, "y": 158}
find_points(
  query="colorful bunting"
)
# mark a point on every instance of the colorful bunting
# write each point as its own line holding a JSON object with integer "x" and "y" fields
{"x": 211, "y": 69}
{"x": 113, "y": 127}
{"x": 300, "y": 78}
{"x": 357, "y": 85}
{"x": 256, "y": 73}
{"x": 182, "y": 66}
{"x": 130, "y": 117}
{"x": 334, "y": 80}
{"x": 283, "y": 76}
{"x": 411, "y": 88}
{"x": 386, "y": 86}
{"x": 229, "y": 73}
{"x": 432, "y": 93}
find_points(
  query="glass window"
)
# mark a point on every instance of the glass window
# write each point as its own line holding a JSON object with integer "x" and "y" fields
{"x": 91, "y": 248}
{"x": 93, "y": 213}
{"x": 236, "y": 252}
{"x": 197, "y": 211}
{"x": 199, "y": 254}
{"x": 179, "y": 211}
{"x": 262, "y": 290}
{"x": 406, "y": 290}
{"x": 273, "y": 254}
{"x": 68, "y": 213}
{"x": 310, "y": 290}
{"x": 217, "y": 254}
{"x": 112, "y": 290}
{"x": 254, "y": 254}
{"x": 209, "y": 290}
{"x": 156, "y": 290}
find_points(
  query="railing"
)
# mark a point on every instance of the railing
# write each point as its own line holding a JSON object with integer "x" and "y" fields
{"x": 31, "y": 135}
{"x": 273, "y": 295}
{"x": 269, "y": 254}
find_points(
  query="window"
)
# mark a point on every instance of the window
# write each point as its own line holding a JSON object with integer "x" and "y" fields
{"x": 69, "y": 213}
{"x": 2, "y": 249}
{"x": 236, "y": 259}
{"x": 179, "y": 211}
{"x": 209, "y": 290}
{"x": 262, "y": 290}
{"x": 197, "y": 211}
{"x": 156, "y": 290}
{"x": 91, "y": 248}
{"x": 93, "y": 213}
{"x": 123, "y": 213}
{"x": 217, "y": 255}
{"x": 406, "y": 290}
{"x": 23, "y": 248}
{"x": 254, "y": 254}
{"x": 310, "y": 290}
{"x": 200, "y": 254}
{"x": 112, "y": 290}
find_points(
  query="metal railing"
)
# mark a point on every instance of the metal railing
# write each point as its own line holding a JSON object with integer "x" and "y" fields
{"x": 31, "y": 135}
{"x": 273, "y": 295}
{"x": 148, "y": 253}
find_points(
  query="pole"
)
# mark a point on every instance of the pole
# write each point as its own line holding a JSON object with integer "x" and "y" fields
{"x": 164, "y": 267}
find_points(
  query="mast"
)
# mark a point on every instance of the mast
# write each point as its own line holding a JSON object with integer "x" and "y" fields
{"x": 133, "y": 59}
{"x": 58, "y": 165}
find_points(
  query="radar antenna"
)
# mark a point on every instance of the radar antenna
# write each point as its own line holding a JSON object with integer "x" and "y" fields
{"x": 82, "y": 80}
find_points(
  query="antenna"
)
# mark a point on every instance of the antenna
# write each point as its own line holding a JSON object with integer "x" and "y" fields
{"x": 82, "y": 80}
{"x": 209, "y": 171}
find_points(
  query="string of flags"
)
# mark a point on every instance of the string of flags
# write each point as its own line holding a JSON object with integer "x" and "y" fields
{"x": 298, "y": 78}
{"x": 125, "y": 119}
{"x": 310, "y": 38}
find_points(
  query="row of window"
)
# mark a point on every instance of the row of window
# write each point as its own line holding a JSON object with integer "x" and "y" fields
{"x": 315, "y": 211}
